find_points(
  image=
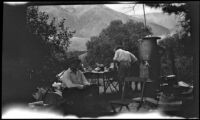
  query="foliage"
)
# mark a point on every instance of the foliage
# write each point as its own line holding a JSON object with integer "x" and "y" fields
{"x": 54, "y": 38}
{"x": 181, "y": 43}
{"x": 185, "y": 68}
{"x": 183, "y": 11}
{"x": 100, "y": 48}
{"x": 183, "y": 64}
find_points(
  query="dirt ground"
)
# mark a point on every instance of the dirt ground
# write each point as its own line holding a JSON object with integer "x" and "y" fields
{"x": 100, "y": 105}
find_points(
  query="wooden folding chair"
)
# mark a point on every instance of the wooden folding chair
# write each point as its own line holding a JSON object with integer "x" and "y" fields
{"x": 110, "y": 82}
{"x": 141, "y": 100}
{"x": 125, "y": 102}
{"x": 121, "y": 102}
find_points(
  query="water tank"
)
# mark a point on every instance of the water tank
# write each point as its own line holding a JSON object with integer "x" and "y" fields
{"x": 148, "y": 51}
{"x": 147, "y": 48}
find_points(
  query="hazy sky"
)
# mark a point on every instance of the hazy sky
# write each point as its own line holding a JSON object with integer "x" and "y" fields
{"x": 127, "y": 8}
{"x": 124, "y": 8}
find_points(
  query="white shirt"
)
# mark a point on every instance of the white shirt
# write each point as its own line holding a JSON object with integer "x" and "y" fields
{"x": 58, "y": 92}
{"x": 71, "y": 79}
{"x": 123, "y": 55}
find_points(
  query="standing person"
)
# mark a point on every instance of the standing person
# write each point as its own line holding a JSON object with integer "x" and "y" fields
{"x": 123, "y": 60}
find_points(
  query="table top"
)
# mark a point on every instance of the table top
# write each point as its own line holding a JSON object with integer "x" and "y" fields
{"x": 98, "y": 72}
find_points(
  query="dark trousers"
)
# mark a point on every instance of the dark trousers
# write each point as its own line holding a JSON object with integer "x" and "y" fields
{"x": 77, "y": 100}
{"x": 78, "y": 95}
{"x": 127, "y": 70}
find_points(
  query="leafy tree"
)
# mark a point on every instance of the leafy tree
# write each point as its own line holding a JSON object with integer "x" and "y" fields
{"x": 54, "y": 37}
{"x": 183, "y": 11}
{"x": 175, "y": 61}
{"x": 100, "y": 48}
{"x": 179, "y": 46}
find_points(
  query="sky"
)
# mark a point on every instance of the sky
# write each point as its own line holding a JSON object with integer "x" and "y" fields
{"x": 127, "y": 9}
{"x": 121, "y": 7}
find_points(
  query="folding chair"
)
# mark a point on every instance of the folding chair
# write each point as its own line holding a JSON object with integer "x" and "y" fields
{"x": 122, "y": 102}
{"x": 145, "y": 99}
{"x": 125, "y": 102}
{"x": 110, "y": 82}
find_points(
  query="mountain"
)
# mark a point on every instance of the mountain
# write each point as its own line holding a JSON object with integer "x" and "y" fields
{"x": 60, "y": 13}
{"x": 78, "y": 44}
{"x": 168, "y": 21}
{"x": 89, "y": 20}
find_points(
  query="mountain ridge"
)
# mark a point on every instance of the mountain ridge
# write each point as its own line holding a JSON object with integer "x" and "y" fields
{"x": 170, "y": 21}
{"x": 89, "y": 20}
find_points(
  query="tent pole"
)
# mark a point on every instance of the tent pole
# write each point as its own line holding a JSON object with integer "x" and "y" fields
{"x": 144, "y": 16}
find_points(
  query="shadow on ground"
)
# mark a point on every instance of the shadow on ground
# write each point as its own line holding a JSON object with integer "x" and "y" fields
{"x": 94, "y": 107}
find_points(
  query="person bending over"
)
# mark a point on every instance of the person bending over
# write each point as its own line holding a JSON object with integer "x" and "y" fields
{"x": 123, "y": 61}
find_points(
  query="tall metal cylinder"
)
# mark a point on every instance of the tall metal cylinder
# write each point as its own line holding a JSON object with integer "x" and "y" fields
{"x": 148, "y": 53}
{"x": 147, "y": 48}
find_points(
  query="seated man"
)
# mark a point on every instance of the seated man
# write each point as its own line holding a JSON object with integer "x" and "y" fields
{"x": 75, "y": 84}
